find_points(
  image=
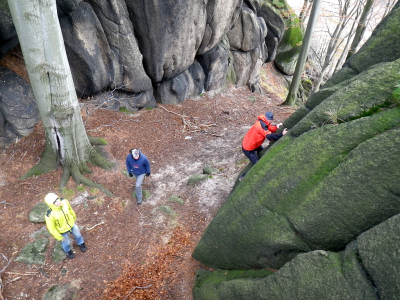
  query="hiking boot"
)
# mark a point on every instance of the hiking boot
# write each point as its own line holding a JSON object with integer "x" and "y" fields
{"x": 139, "y": 202}
{"x": 70, "y": 254}
{"x": 241, "y": 177}
{"x": 83, "y": 247}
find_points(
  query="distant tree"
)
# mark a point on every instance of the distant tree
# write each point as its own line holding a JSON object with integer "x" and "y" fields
{"x": 42, "y": 45}
{"x": 380, "y": 9}
{"x": 346, "y": 48}
{"x": 389, "y": 6}
{"x": 305, "y": 11}
{"x": 347, "y": 11}
{"x": 294, "y": 86}
{"x": 362, "y": 24}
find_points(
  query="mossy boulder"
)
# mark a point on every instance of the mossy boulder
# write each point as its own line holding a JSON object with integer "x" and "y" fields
{"x": 33, "y": 253}
{"x": 145, "y": 194}
{"x": 60, "y": 292}
{"x": 166, "y": 210}
{"x": 322, "y": 204}
{"x": 209, "y": 170}
{"x": 354, "y": 98}
{"x": 208, "y": 283}
{"x": 379, "y": 253}
{"x": 307, "y": 193}
{"x": 176, "y": 199}
{"x": 197, "y": 178}
{"x": 356, "y": 273}
{"x": 40, "y": 233}
{"x": 289, "y": 46}
{"x": 58, "y": 253}
{"x": 36, "y": 215}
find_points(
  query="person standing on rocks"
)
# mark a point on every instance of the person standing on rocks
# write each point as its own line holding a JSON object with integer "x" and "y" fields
{"x": 137, "y": 164}
{"x": 60, "y": 220}
{"x": 255, "y": 137}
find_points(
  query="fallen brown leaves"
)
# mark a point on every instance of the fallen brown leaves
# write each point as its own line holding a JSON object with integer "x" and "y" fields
{"x": 153, "y": 279}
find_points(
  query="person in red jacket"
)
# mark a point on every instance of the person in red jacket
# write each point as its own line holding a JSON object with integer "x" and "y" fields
{"x": 255, "y": 137}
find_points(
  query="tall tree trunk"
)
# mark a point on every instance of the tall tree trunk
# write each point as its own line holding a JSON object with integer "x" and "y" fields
{"x": 346, "y": 12}
{"x": 346, "y": 47}
{"x": 305, "y": 10}
{"x": 294, "y": 86}
{"x": 43, "y": 48}
{"x": 360, "y": 28}
{"x": 389, "y": 6}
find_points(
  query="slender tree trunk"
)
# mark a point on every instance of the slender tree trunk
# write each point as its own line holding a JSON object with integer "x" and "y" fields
{"x": 389, "y": 6}
{"x": 305, "y": 10}
{"x": 346, "y": 48}
{"x": 360, "y": 28}
{"x": 346, "y": 12}
{"x": 43, "y": 48}
{"x": 294, "y": 86}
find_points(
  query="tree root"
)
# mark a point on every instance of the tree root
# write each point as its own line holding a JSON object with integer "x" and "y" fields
{"x": 49, "y": 162}
{"x": 76, "y": 174}
{"x": 98, "y": 160}
{"x": 97, "y": 141}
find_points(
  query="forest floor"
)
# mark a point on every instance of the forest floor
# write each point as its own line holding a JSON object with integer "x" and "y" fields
{"x": 134, "y": 252}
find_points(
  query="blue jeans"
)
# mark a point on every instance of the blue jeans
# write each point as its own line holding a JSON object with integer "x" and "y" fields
{"x": 138, "y": 186}
{"x": 77, "y": 235}
{"x": 253, "y": 154}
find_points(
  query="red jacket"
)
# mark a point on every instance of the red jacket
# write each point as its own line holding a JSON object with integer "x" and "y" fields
{"x": 256, "y": 134}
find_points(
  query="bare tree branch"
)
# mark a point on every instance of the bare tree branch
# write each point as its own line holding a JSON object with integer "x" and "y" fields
{"x": 136, "y": 288}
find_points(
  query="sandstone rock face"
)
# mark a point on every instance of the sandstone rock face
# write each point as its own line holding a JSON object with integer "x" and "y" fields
{"x": 322, "y": 204}
{"x": 175, "y": 30}
{"x": 18, "y": 110}
{"x": 8, "y": 34}
{"x": 289, "y": 47}
{"x": 87, "y": 48}
{"x": 127, "y": 61}
{"x": 153, "y": 48}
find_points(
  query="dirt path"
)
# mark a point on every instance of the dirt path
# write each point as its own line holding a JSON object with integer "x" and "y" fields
{"x": 139, "y": 252}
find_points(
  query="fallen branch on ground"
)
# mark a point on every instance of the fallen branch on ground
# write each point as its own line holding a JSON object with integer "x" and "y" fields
{"x": 1, "y": 271}
{"x": 190, "y": 126}
{"x": 109, "y": 125}
{"x": 42, "y": 271}
{"x": 9, "y": 262}
{"x": 23, "y": 274}
{"x": 94, "y": 226}
{"x": 1, "y": 289}
{"x": 15, "y": 279}
{"x": 137, "y": 287}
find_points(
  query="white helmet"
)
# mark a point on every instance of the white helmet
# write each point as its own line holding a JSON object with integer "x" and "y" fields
{"x": 135, "y": 152}
{"x": 50, "y": 198}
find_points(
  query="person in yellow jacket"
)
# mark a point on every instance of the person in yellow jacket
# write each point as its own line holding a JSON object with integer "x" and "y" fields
{"x": 60, "y": 220}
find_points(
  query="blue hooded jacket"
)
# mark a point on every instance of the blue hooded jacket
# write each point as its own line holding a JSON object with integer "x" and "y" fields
{"x": 137, "y": 166}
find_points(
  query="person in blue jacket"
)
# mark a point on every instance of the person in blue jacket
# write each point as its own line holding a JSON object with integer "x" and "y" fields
{"x": 137, "y": 164}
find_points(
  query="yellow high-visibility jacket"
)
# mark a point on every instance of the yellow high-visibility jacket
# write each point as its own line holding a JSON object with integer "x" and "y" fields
{"x": 60, "y": 219}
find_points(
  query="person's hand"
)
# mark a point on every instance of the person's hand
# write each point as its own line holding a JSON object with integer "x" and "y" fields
{"x": 131, "y": 174}
{"x": 148, "y": 174}
{"x": 284, "y": 131}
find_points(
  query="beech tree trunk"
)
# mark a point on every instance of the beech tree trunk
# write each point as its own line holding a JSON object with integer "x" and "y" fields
{"x": 294, "y": 86}
{"x": 43, "y": 48}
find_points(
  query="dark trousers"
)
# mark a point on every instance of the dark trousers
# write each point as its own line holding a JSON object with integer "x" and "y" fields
{"x": 274, "y": 136}
{"x": 253, "y": 154}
